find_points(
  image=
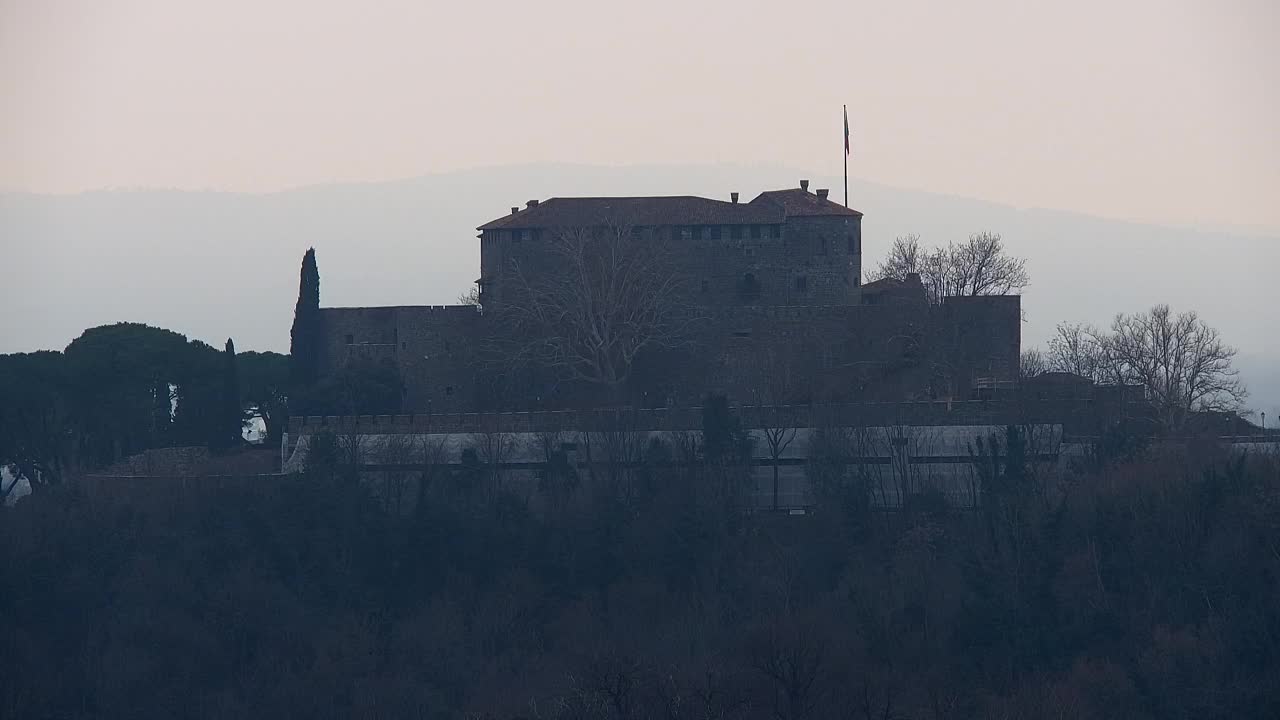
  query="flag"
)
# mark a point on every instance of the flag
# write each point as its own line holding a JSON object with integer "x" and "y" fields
{"x": 846, "y": 131}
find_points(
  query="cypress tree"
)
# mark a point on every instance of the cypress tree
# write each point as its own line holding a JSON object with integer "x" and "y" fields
{"x": 304, "y": 338}
{"x": 230, "y": 428}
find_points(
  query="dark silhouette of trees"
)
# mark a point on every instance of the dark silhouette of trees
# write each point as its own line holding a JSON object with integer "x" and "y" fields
{"x": 979, "y": 266}
{"x": 230, "y": 431}
{"x": 305, "y": 337}
{"x": 264, "y": 383}
{"x": 1143, "y": 588}
{"x": 1184, "y": 364}
{"x": 35, "y": 415}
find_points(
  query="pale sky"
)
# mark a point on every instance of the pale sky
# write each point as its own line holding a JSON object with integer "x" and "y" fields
{"x": 1158, "y": 111}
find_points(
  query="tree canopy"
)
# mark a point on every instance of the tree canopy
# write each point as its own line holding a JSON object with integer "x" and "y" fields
{"x": 978, "y": 266}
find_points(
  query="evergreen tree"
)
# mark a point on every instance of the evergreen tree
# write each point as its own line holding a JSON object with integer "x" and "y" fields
{"x": 230, "y": 430}
{"x": 304, "y": 338}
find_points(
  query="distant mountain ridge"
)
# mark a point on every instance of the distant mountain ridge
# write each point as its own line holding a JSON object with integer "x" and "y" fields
{"x": 214, "y": 264}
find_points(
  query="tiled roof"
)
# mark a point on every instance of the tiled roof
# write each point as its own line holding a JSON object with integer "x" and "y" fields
{"x": 675, "y": 210}
{"x": 799, "y": 203}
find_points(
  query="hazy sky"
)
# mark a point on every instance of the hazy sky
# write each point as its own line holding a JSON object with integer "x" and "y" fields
{"x": 1162, "y": 111}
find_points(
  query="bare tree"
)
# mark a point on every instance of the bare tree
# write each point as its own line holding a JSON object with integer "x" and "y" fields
{"x": 604, "y": 296}
{"x": 905, "y": 257}
{"x": 1184, "y": 364}
{"x": 979, "y": 266}
{"x": 1082, "y": 350}
{"x": 779, "y": 433}
{"x": 470, "y": 297}
{"x": 1031, "y": 363}
{"x": 782, "y": 382}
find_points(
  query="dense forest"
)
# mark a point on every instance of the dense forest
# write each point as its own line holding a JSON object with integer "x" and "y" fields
{"x": 1142, "y": 584}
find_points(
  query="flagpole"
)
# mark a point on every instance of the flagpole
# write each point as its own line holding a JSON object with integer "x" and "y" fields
{"x": 846, "y": 156}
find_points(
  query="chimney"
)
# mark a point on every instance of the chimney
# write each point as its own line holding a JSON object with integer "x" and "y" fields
{"x": 822, "y": 193}
{"x": 532, "y": 203}
{"x": 515, "y": 210}
{"x": 804, "y": 185}
{"x": 733, "y": 196}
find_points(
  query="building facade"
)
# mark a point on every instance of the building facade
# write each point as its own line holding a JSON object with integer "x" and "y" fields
{"x": 775, "y": 285}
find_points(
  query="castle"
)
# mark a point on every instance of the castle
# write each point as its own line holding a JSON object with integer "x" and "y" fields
{"x": 767, "y": 295}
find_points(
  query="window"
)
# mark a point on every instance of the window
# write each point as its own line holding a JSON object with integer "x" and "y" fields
{"x": 448, "y": 391}
{"x": 351, "y": 339}
{"x": 823, "y": 245}
{"x": 537, "y": 234}
{"x": 755, "y": 232}
{"x": 706, "y": 285}
{"x": 802, "y": 283}
{"x": 715, "y": 232}
{"x": 853, "y": 244}
{"x": 515, "y": 235}
{"x": 696, "y": 232}
{"x": 749, "y": 287}
{"x": 775, "y": 231}
{"x": 735, "y": 232}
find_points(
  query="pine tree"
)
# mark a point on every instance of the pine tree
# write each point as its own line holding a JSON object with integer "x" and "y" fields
{"x": 304, "y": 338}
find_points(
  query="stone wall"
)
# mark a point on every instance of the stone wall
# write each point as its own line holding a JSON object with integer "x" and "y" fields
{"x": 804, "y": 261}
{"x": 977, "y": 338}
{"x": 898, "y": 349}
{"x": 1077, "y": 416}
{"x": 433, "y": 346}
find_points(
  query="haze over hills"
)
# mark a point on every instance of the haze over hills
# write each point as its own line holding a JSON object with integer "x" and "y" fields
{"x": 214, "y": 264}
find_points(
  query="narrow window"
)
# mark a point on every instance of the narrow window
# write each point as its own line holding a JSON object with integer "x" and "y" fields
{"x": 853, "y": 245}
{"x": 706, "y": 285}
{"x": 823, "y": 240}
{"x": 755, "y": 232}
{"x": 735, "y": 232}
{"x": 696, "y": 232}
{"x": 715, "y": 232}
{"x": 537, "y": 234}
{"x": 775, "y": 231}
{"x": 802, "y": 283}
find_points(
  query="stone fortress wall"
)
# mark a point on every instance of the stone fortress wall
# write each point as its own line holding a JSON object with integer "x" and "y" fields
{"x": 775, "y": 282}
